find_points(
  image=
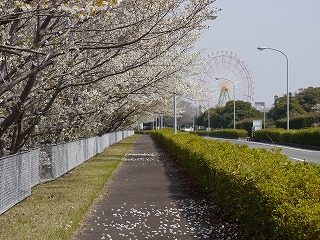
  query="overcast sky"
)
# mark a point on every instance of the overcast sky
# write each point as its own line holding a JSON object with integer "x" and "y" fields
{"x": 290, "y": 26}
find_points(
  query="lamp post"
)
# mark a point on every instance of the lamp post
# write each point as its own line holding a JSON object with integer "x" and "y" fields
{"x": 212, "y": 16}
{"x": 234, "y": 100}
{"x": 161, "y": 120}
{"x": 209, "y": 129}
{"x": 175, "y": 112}
{"x": 193, "y": 122}
{"x": 263, "y": 48}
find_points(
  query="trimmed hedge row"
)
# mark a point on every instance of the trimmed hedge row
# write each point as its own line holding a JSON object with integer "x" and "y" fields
{"x": 143, "y": 131}
{"x": 228, "y": 133}
{"x": 298, "y": 122}
{"x": 309, "y": 137}
{"x": 272, "y": 197}
{"x": 245, "y": 124}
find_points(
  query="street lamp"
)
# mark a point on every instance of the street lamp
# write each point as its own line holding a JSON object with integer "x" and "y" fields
{"x": 175, "y": 112}
{"x": 211, "y": 16}
{"x": 209, "y": 129}
{"x": 263, "y": 48}
{"x": 174, "y": 99}
{"x": 234, "y": 100}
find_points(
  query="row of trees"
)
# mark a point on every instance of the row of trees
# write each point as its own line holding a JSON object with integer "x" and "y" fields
{"x": 76, "y": 68}
{"x": 305, "y": 104}
{"x": 222, "y": 117}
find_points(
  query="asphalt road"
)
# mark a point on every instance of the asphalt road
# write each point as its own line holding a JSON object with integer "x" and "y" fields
{"x": 295, "y": 154}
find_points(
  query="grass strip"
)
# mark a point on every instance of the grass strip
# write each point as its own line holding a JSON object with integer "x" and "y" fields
{"x": 56, "y": 209}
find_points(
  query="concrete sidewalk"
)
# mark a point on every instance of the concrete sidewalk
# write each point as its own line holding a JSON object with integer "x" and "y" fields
{"x": 148, "y": 199}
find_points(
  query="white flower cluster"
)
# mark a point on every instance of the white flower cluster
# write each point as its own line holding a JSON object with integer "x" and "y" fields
{"x": 71, "y": 69}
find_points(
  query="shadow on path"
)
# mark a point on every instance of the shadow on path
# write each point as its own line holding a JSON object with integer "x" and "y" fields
{"x": 151, "y": 198}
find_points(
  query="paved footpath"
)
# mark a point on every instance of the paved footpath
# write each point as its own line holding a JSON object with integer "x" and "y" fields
{"x": 148, "y": 200}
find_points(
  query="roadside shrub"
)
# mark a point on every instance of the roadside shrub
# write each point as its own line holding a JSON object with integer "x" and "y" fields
{"x": 227, "y": 133}
{"x": 309, "y": 136}
{"x": 298, "y": 122}
{"x": 272, "y": 197}
{"x": 143, "y": 131}
{"x": 245, "y": 124}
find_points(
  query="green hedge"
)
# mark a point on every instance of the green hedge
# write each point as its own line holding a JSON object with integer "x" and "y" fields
{"x": 245, "y": 124}
{"x": 309, "y": 137}
{"x": 143, "y": 131}
{"x": 228, "y": 133}
{"x": 272, "y": 197}
{"x": 299, "y": 122}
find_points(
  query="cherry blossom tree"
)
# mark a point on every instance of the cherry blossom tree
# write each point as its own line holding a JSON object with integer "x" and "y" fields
{"x": 70, "y": 69}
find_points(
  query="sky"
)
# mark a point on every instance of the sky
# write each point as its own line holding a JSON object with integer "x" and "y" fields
{"x": 290, "y": 26}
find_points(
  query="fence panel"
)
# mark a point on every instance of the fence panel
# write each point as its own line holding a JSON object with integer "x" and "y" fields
{"x": 119, "y": 136}
{"x": 112, "y": 138}
{"x": 20, "y": 172}
{"x": 15, "y": 180}
{"x": 34, "y": 158}
{"x": 56, "y": 155}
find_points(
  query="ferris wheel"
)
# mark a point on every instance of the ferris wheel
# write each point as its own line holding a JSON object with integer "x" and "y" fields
{"x": 226, "y": 77}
